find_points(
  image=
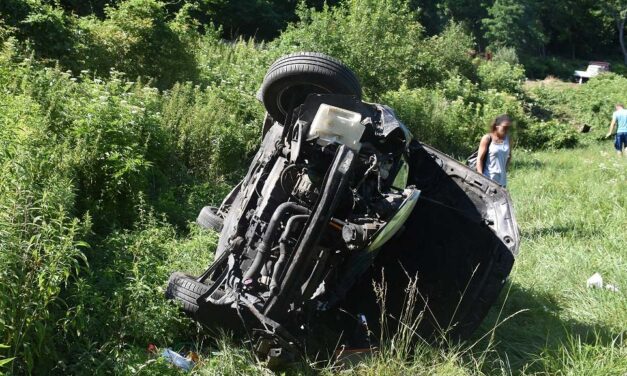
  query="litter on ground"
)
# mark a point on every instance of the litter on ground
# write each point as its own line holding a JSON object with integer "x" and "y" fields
{"x": 177, "y": 359}
{"x": 596, "y": 281}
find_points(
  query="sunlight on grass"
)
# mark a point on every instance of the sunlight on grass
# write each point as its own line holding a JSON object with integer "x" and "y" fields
{"x": 572, "y": 210}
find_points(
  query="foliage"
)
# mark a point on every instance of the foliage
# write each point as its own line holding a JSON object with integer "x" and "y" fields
{"x": 447, "y": 55}
{"x": 502, "y": 76}
{"x": 48, "y": 29}
{"x": 513, "y": 24}
{"x": 454, "y": 116}
{"x": 507, "y": 55}
{"x": 123, "y": 292}
{"x": 540, "y": 68}
{"x": 101, "y": 171}
{"x": 551, "y": 134}
{"x": 591, "y": 103}
{"x": 211, "y": 143}
{"x": 380, "y": 39}
{"x": 80, "y": 148}
{"x": 138, "y": 39}
{"x": 40, "y": 239}
{"x": 617, "y": 10}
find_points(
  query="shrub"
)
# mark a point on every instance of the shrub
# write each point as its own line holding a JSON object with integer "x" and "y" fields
{"x": 46, "y": 28}
{"x": 552, "y": 134}
{"x": 383, "y": 42}
{"x": 238, "y": 66}
{"x": 455, "y": 115}
{"x": 39, "y": 238}
{"x": 540, "y": 68}
{"x": 506, "y": 54}
{"x": 119, "y": 304}
{"x": 591, "y": 103}
{"x": 138, "y": 39}
{"x": 446, "y": 55}
{"x": 501, "y": 75}
{"x": 214, "y": 128}
{"x": 380, "y": 40}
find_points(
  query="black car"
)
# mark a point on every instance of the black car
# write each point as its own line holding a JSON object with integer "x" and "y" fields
{"x": 340, "y": 195}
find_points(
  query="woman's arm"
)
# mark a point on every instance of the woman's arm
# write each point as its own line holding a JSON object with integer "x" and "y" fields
{"x": 483, "y": 151}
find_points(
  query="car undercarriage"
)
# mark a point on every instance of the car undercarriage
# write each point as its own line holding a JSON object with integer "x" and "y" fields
{"x": 340, "y": 196}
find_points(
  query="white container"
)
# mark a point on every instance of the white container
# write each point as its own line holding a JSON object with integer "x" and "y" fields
{"x": 333, "y": 124}
{"x": 595, "y": 281}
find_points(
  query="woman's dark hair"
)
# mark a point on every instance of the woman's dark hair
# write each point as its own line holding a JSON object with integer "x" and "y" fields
{"x": 500, "y": 120}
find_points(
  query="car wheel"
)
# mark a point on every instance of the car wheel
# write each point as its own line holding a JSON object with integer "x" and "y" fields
{"x": 208, "y": 218}
{"x": 292, "y": 78}
{"x": 186, "y": 290}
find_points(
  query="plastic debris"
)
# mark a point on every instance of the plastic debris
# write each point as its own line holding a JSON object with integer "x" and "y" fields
{"x": 611, "y": 288}
{"x": 595, "y": 281}
{"x": 177, "y": 359}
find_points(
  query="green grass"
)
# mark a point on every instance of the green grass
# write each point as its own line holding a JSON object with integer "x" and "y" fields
{"x": 572, "y": 210}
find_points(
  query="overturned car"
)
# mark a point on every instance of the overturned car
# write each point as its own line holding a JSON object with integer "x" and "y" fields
{"x": 340, "y": 195}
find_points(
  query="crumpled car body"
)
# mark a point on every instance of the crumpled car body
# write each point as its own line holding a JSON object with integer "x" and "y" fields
{"x": 340, "y": 196}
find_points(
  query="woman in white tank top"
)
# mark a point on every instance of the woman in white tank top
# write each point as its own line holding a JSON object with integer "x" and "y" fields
{"x": 495, "y": 152}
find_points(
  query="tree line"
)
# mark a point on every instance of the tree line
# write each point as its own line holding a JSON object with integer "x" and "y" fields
{"x": 575, "y": 29}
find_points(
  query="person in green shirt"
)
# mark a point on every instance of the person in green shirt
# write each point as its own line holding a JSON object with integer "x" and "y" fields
{"x": 619, "y": 119}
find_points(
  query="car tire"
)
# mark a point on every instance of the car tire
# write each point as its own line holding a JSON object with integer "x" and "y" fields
{"x": 293, "y": 77}
{"x": 186, "y": 290}
{"x": 208, "y": 218}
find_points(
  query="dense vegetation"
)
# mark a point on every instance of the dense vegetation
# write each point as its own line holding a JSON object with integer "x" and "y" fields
{"x": 118, "y": 122}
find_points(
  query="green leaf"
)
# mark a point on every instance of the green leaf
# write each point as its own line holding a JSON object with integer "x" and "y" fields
{"x": 5, "y": 361}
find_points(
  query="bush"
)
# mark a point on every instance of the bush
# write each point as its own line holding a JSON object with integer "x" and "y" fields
{"x": 446, "y": 55}
{"x": 77, "y": 148}
{"x": 138, "y": 39}
{"x": 121, "y": 299}
{"x": 502, "y": 76}
{"x": 455, "y": 116}
{"x": 237, "y": 66}
{"x": 40, "y": 238}
{"x": 383, "y": 42}
{"x": 47, "y": 29}
{"x": 552, "y": 134}
{"x": 380, "y": 40}
{"x": 540, "y": 68}
{"x": 506, "y": 54}
{"x": 213, "y": 128}
{"x": 591, "y": 103}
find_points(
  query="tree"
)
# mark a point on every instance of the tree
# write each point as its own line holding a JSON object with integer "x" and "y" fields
{"x": 513, "y": 23}
{"x": 468, "y": 12}
{"x": 617, "y": 9}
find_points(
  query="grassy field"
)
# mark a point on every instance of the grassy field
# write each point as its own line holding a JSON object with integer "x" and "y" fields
{"x": 572, "y": 211}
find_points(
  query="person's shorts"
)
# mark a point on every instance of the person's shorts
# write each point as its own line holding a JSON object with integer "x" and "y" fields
{"x": 621, "y": 141}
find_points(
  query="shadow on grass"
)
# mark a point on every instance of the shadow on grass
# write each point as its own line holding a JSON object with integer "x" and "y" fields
{"x": 525, "y": 337}
{"x": 526, "y": 163}
{"x": 572, "y": 229}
